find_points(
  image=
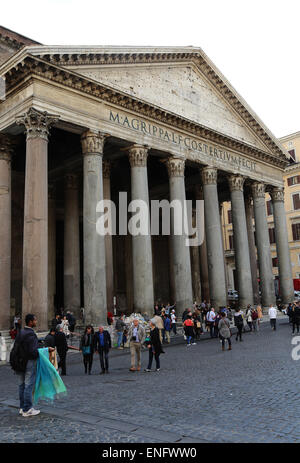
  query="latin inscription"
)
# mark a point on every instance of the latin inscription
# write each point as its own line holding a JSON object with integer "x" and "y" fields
{"x": 190, "y": 143}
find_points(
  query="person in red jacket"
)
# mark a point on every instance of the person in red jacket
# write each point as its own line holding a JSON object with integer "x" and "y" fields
{"x": 188, "y": 325}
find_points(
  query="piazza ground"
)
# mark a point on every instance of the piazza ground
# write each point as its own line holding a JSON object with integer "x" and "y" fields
{"x": 201, "y": 394}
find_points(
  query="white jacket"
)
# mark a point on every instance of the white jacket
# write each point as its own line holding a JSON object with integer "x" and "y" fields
{"x": 272, "y": 312}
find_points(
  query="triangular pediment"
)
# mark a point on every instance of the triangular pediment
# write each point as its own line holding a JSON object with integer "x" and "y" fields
{"x": 178, "y": 88}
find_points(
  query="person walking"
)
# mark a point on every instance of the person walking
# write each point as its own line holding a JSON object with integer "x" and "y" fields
{"x": 273, "y": 316}
{"x": 173, "y": 322}
{"x": 254, "y": 316}
{"x": 26, "y": 353}
{"x": 154, "y": 346}
{"x": 239, "y": 323}
{"x": 197, "y": 323}
{"x": 56, "y": 321}
{"x": 188, "y": 325}
{"x": 296, "y": 317}
{"x": 62, "y": 348}
{"x": 102, "y": 344}
{"x": 87, "y": 345}
{"x": 210, "y": 321}
{"x": 249, "y": 317}
{"x": 136, "y": 334}
{"x": 224, "y": 330}
{"x": 49, "y": 340}
{"x": 120, "y": 325}
{"x": 260, "y": 316}
{"x": 167, "y": 329}
{"x": 65, "y": 326}
{"x": 160, "y": 325}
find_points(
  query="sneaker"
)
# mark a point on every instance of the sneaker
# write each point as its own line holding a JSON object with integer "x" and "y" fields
{"x": 147, "y": 369}
{"x": 21, "y": 411}
{"x": 188, "y": 345}
{"x": 194, "y": 344}
{"x": 31, "y": 412}
{"x": 157, "y": 369}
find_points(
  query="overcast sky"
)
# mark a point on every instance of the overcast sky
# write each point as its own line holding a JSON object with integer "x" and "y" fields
{"x": 255, "y": 44}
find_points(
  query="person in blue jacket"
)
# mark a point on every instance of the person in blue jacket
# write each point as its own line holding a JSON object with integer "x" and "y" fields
{"x": 167, "y": 329}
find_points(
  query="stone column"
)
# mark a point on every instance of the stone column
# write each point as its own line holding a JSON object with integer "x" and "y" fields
{"x": 252, "y": 248}
{"x": 35, "y": 245}
{"x": 51, "y": 252}
{"x": 203, "y": 255}
{"x": 222, "y": 234}
{"x": 282, "y": 246}
{"x": 240, "y": 237}
{"x": 108, "y": 242}
{"x": 5, "y": 231}
{"x": 263, "y": 245}
{"x": 94, "y": 274}
{"x": 143, "y": 293}
{"x": 215, "y": 255}
{"x": 71, "y": 246}
{"x": 195, "y": 268}
{"x": 180, "y": 251}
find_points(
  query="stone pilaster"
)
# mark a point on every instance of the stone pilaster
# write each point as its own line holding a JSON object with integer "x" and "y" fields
{"x": 215, "y": 255}
{"x": 263, "y": 245}
{"x": 252, "y": 248}
{"x": 5, "y": 230}
{"x": 94, "y": 274}
{"x": 240, "y": 237}
{"x": 35, "y": 247}
{"x": 51, "y": 251}
{"x": 282, "y": 246}
{"x": 108, "y": 241}
{"x": 180, "y": 251}
{"x": 71, "y": 246}
{"x": 143, "y": 292}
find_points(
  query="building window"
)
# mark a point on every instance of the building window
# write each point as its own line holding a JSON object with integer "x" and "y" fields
{"x": 269, "y": 207}
{"x": 293, "y": 154}
{"x": 275, "y": 262}
{"x": 299, "y": 259}
{"x": 229, "y": 216}
{"x": 296, "y": 201}
{"x": 231, "y": 242}
{"x": 296, "y": 231}
{"x": 272, "y": 235}
{"x": 293, "y": 180}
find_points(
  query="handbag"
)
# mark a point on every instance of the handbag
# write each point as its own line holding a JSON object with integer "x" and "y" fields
{"x": 86, "y": 350}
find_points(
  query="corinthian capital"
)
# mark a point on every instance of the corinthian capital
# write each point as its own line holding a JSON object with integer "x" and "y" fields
{"x": 258, "y": 190}
{"x": 209, "y": 176}
{"x": 6, "y": 147}
{"x": 37, "y": 123}
{"x": 92, "y": 143}
{"x": 138, "y": 156}
{"x": 277, "y": 194}
{"x": 175, "y": 167}
{"x": 236, "y": 183}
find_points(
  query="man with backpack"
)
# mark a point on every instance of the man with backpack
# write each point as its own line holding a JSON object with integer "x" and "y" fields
{"x": 23, "y": 359}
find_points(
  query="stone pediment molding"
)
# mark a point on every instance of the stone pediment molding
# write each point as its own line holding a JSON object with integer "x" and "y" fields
{"x": 26, "y": 65}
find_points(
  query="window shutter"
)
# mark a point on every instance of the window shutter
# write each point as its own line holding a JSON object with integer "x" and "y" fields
{"x": 289, "y": 181}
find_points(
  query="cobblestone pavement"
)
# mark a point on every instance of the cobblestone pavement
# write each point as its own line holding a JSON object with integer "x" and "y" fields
{"x": 201, "y": 394}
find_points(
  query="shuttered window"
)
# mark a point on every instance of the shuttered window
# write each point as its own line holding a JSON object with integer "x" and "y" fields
{"x": 296, "y": 201}
{"x": 275, "y": 262}
{"x": 230, "y": 241}
{"x": 293, "y": 154}
{"x": 269, "y": 208}
{"x": 272, "y": 235}
{"x": 293, "y": 180}
{"x": 296, "y": 231}
{"x": 229, "y": 216}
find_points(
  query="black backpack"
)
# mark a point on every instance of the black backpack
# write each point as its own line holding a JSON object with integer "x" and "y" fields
{"x": 17, "y": 358}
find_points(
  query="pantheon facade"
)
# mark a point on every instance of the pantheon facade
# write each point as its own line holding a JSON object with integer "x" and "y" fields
{"x": 79, "y": 124}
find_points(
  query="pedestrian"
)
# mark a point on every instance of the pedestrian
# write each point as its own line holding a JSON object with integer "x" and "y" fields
{"x": 167, "y": 329}
{"x": 136, "y": 334}
{"x": 87, "y": 345}
{"x": 210, "y": 321}
{"x": 254, "y": 316}
{"x": 188, "y": 325}
{"x": 102, "y": 344}
{"x": 185, "y": 314}
{"x": 289, "y": 312}
{"x": 120, "y": 325}
{"x": 160, "y": 325}
{"x": 260, "y": 316}
{"x": 65, "y": 326}
{"x": 124, "y": 338}
{"x": 154, "y": 346}
{"x": 197, "y": 323}
{"x": 56, "y": 321}
{"x": 25, "y": 352}
{"x": 296, "y": 317}
{"x": 72, "y": 322}
{"x": 249, "y": 317}
{"x": 169, "y": 308}
{"x": 49, "y": 340}
{"x": 110, "y": 318}
{"x": 224, "y": 330}
{"x": 173, "y": 321}
{"x": 273, "y": 316}
{"x": 62, "y": 348}
{"x": 239, "y": 323}
{"x": 216, "y": 322}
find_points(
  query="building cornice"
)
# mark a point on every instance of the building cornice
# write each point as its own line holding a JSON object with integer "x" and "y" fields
{"x": 22, "y": 65}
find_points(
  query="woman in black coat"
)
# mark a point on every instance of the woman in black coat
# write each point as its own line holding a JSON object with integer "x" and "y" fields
{"x": 154, "y": 346}
{"x": 87, "y": 348}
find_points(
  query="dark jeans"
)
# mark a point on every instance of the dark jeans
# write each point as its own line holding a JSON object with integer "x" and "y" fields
{"x": 211, "y": 329}
{"x": 239, "y": 331}
{"x": 151, "y": 358}
{"x": 296, "y": 323}
{"x": 173, "y": 327}
{"x": 250, "y": 325}
{"x": 26, "y": 385}
{"x": 88, "y": 362}
{"x": 273, "y": 323}
{"x": 62, "y": 362}
{"x": 223, "y": 341}
{"x": 103, "y": 355}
